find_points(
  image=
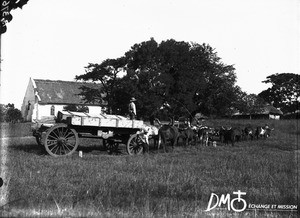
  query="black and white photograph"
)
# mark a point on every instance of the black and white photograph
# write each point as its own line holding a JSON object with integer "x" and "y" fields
{"x": 139, "y": 108}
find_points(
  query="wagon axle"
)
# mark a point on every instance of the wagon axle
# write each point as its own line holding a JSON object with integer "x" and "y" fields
{"x": 61, "y": 141}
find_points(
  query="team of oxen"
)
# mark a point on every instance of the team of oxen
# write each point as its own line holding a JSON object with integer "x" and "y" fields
{"x": 169, "y": 134}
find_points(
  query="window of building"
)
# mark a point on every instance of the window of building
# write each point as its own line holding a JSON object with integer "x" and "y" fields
{"x": 52, "y": 110}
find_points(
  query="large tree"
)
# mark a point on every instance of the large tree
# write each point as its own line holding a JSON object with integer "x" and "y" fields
{"x": 187, "y": 77}
{"x": 284, "y": 92}
{"x": 107, "y": 74}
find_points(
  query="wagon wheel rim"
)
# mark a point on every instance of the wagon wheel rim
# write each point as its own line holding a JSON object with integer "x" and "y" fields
{"x": 135, "y": 145}
{"x": 61, "y": 141}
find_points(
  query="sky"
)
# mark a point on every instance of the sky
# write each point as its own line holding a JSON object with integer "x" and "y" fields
{"x": 56, "y": 39}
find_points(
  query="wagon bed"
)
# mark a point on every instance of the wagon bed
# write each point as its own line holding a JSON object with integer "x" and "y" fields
{"x": 61, "y": 137}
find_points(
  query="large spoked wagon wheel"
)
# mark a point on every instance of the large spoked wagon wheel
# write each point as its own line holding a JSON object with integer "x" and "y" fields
{"x": 135, "y": 145}
{"x": 60, "y": 140}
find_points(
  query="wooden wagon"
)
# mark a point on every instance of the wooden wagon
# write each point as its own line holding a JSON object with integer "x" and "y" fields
{"x": 61, "y": 137}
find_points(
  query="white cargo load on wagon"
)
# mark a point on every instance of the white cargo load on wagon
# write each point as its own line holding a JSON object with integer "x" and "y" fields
{"x": 100, "y": 120}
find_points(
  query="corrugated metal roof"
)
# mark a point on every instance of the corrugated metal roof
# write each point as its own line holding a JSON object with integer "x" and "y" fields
{"x": 62, "y": 92}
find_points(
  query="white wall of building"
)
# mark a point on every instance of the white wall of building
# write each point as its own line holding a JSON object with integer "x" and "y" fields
{"x": 275, "y": 117}
{"x": 28, "y": 102}
{"x": 43, "y": 111}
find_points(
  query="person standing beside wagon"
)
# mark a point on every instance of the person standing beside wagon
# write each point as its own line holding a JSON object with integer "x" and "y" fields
{"x": 132, "y": 108}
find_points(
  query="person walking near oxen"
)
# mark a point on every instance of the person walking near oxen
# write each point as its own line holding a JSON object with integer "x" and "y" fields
{"x": 132, "y": 108}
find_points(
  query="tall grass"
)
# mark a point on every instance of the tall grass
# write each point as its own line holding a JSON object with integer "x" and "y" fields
{"x": 15, "y": 130}
{"x": 156, "y": 184}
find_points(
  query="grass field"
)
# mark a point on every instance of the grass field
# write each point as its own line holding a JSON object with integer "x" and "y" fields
{"x": 15, "y": 130}
{"x": 177, "y": 184}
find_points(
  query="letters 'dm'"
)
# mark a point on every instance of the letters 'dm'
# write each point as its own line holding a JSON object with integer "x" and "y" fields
{"x": 226, "y": 199}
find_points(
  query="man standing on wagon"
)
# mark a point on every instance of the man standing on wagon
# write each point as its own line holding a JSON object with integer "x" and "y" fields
{"x": 132, "y": 108}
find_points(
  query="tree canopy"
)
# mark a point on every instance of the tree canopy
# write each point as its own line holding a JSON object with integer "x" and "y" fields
{"x": 284, "y": 92}
{"x": 187, "y": 77}
{"x": 9, "y": 113}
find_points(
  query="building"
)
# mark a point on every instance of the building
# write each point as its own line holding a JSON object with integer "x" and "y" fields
{"x": 266, "y": 112}
{"x": 44, "y": 98}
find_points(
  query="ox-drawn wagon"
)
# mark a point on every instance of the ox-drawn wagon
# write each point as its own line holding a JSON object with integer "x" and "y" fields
{"x": 61, "y": 137}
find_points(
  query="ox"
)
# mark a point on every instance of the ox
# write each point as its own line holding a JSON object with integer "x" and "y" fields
{"x": 188, "y": 135}
{"x": 205, "y": 134}
{"x": 232, "y": 134}
{"x": 263, "y": 131}
{"x": 249, "y": 132}
{"x": 148, "y": 131}
{"x": 167, "y": 133}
